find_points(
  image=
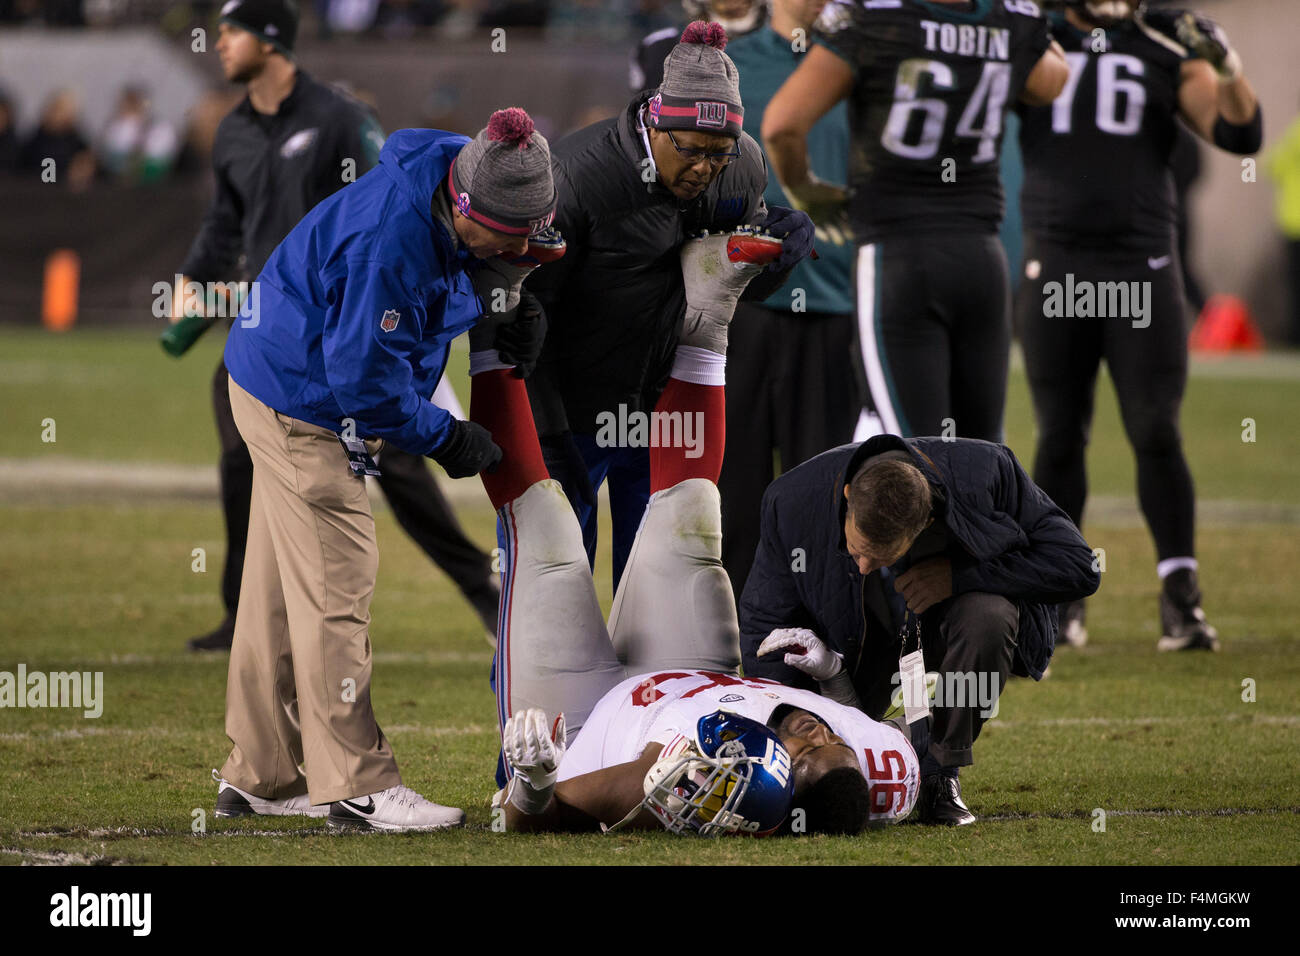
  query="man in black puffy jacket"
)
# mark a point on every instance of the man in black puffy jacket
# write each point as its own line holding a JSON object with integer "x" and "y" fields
{"x": 869, "y": 550}
{"x": 631, "y": 191}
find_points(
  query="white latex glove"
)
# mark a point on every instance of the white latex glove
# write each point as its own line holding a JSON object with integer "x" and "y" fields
{"x": 805, "y": 651}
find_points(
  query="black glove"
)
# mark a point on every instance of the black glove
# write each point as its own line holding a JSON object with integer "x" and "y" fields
{"x": 796, "y": 229}
{"x": 519, "y": 343}
{"x": 566, "y": 465}
{"x": 469, "y": 450}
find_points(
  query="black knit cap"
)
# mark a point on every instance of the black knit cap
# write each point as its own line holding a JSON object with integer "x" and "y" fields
{"x": 273, "y": 21}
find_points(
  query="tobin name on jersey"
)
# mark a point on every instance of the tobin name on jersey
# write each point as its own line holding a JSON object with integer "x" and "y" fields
{"x": 988, "y": 43}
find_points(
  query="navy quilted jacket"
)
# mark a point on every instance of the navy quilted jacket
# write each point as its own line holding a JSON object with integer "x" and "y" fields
{"x": 1012, "y": 541}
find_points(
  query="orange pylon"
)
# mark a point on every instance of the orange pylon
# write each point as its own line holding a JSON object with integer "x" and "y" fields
{"x": 62, "y": 282}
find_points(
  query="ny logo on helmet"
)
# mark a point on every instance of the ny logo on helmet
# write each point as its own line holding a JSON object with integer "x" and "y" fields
{"x": 389, "y": 320}
{"x": 710, "y": 114}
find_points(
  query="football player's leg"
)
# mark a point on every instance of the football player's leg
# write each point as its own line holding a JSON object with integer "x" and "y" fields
{"x": 976, "y": 290}
{"x": 1062, "y": 356}
{"x": 905, "y": 346}
{"x": 1148, "y": 364}
{"x": 675, "y": 606}
{"x": 553, "y": 651}
{"x": 499, "y": 402}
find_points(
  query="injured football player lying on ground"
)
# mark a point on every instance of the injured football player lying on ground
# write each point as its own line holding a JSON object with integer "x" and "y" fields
{"x": 646, "y": 724}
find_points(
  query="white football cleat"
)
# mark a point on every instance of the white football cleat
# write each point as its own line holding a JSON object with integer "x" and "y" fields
{"x": 715, "y": 270}
{"x": 233, "y": 802}
{"x": 395, "y": 810}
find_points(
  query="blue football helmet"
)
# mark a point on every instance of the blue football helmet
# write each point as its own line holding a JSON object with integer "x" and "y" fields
{"x": 733, "y": 778}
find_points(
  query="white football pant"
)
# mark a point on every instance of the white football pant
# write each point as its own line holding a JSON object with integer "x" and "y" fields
{"x": 674, "y": 607}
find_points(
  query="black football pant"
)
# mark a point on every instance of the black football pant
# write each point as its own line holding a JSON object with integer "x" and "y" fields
{"x": 792, "y": 393}
{"x": 418, "y": 505}
{"x": 1147, "y": 361}
{"x": 935, "y": 331}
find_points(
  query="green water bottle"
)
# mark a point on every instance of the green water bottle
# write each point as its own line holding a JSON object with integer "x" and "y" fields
{"x": 177, "y": 339}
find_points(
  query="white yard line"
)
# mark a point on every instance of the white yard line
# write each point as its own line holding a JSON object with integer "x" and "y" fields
{"x": 56, "y": 480}
{"x": 82, "y": 733}
{"x": 1279, "y": 720}
{"x": 54, "y": 857}
{"x": 214, "y": 659}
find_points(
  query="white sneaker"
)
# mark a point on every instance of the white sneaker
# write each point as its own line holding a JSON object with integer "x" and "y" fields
{"x": 233, "y": 802}
{"x": 394, "y": 810}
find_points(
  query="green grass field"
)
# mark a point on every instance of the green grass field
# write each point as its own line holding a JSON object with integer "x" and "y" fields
{"x": 1185, "y": 769}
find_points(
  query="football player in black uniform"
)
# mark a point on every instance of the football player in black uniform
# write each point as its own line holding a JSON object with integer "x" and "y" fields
{"x": 929, "y": 84}
{"x": 1102, "y": 272}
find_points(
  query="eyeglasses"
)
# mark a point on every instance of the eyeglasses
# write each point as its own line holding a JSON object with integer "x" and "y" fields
{"x": 694, "y": 154}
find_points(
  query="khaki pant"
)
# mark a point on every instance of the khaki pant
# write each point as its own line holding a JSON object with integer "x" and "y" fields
{"x": 299, "y": 683}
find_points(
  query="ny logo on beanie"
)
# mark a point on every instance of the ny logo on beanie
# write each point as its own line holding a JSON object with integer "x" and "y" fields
{"x": 710, "y": 114}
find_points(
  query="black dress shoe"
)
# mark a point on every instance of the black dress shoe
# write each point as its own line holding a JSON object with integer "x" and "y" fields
{"x": 218, "y": 640}
{"x": 940, "y": 803}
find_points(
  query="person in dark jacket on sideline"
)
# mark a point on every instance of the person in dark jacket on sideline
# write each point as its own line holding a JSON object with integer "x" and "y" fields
{"x": 631, "y": 190}
{"x": 869, "y": 552}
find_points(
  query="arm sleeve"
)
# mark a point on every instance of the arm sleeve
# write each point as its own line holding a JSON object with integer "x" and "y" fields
{"x": 369, "y": 369}
{"x": 1054, "y": 566}
{"x": 771, "y": 600}
{"x": 216, "y": 249}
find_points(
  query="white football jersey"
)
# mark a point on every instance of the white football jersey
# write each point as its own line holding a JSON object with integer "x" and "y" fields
{"x": 662, "y": 706}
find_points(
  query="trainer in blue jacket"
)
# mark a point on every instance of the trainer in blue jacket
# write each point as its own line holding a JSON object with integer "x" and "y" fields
{"x": 352, "y": 320}
{"x": 869, "y": 552}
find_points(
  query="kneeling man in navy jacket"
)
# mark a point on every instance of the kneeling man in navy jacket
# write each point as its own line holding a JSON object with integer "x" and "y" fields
{"x": 871, "y": 552}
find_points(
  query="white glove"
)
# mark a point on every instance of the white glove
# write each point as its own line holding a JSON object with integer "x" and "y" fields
{"x": 805, "y": 651}
{"x": 716, "y": 267}
{"x": 533, "y": 749}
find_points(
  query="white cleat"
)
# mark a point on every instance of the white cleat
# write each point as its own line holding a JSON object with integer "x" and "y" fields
{"x": 395, "y": 810}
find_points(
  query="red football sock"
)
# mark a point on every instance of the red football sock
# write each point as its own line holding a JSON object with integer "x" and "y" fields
{"x": 499, "y": 402}
{"x": 668, "y": 466}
